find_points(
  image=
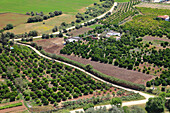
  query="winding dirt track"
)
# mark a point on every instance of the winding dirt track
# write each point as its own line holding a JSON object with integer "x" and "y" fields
{"x": 147, "y": 96}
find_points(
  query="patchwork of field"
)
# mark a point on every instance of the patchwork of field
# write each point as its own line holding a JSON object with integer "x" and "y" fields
{"x": 54, "y": 45}
{"x": 12, "y": 18}
{"x": 68, "y": 7}
{"x": 43, "y": 28}
{"x": 152, "y": 5}
{"x": 23, "y": 6}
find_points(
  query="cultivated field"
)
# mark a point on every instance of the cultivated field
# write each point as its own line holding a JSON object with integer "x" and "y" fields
{"x": 54, "y": 45}
{"x": 151, "y": 5}
{"x": 23, "y": 6}
{"x": 12, "y": 18}
{"x": 121, "y": 73}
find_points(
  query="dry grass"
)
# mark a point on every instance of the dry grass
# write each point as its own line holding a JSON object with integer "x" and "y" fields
{"x": 43, "y": 28}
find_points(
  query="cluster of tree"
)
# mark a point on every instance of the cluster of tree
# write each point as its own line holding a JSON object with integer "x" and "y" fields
{"x": 124, "y": 10}
{"x": 141, "y": 24}
{"x": 35, "y": 19}
{"x": 164, "y": 44}
{"x": 22, "y": 63}
{"x": 91, "y": 12}
{"x": 8, "y": 27}
{"x": 32, "y": 13}
{"x": 6, "y": 93}
{"x": 99, "y": 50}
{"x": 94, "y": 11}
{"x": 33, "y": 33}
{"x": 40, "y": 16}
{"x": 163, "y": 80}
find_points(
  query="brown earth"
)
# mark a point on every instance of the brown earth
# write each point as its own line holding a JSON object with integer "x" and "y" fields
{"x": 12, "y": 18}
{"x": 77, "y": 32}
{"x": 111, "y": 70}
{"x": 52, "y": 45}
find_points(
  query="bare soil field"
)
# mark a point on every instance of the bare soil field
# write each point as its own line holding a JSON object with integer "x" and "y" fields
{"x": 152, "y": 5}
{"x": 52, "y": 45}
{"x": 12, "y": 18}
{"x": 121, "y": 73}
{"x": 77, "y": 32}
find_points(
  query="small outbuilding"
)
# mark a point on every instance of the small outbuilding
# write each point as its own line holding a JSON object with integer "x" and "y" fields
{"x": 164, "y": 17}
{"x": 73, "y": 39}
{"x": 112, "y": 33}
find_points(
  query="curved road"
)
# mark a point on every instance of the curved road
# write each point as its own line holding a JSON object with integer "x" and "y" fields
{"x": 147, "y": 96}
{"x": 99, "y": 17}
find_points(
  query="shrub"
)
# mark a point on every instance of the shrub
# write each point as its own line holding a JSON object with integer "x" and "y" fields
{"x": 8, "y": 27}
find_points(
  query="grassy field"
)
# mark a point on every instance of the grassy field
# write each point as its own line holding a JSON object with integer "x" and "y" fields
{"x": 23, "y": 6}
{"x": 122, "y": 0}
{"x": 94, "y": 26}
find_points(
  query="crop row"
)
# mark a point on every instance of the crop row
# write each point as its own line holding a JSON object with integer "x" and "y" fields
{"x": 11, "y": 105}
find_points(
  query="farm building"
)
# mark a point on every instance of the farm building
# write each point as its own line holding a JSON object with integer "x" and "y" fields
{"x": 164, "y": 17}
{"x": 112, "y": 33}
{"x": 72, "y": 39}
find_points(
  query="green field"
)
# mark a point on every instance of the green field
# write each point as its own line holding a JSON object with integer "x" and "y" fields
{"x": 94, "y": 26}
{"x": 122, "y": 0}
{"x": 23, "y": 6}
